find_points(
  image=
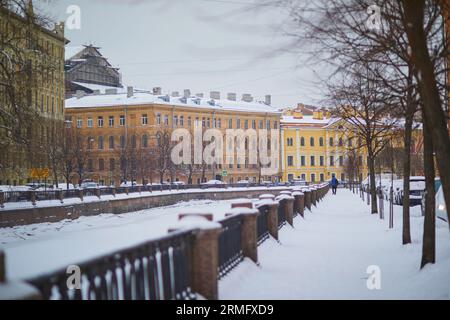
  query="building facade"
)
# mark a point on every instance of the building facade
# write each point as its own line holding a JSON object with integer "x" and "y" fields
{"x": 128, "y": 135}
{"x": 316, "y": 147}
{"x": 36, "y": 55}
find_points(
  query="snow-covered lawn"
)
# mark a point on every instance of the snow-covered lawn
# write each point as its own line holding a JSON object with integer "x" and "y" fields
{"x": 326, "y": 256}
{"x": 40, "y": 248}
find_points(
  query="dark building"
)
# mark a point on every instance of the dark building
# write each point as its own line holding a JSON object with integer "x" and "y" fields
{"x": 88, "y": 70}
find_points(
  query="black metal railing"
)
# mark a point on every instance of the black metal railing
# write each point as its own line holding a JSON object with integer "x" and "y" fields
{"x": 17, "y": 196}
{"x": 106, "y": 191}
{"x": 155, "y": 270}
{"x": 262, "y": 225}
{"x": 281, "y": 213}
{"x": 230, "y": 246}
{"x": 42, "y": 195}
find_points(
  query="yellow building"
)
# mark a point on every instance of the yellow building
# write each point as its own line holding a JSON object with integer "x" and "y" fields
{"x": 316, "y": 147}
{"x": 35, "y": 55}
{"x": 125, "y": 130}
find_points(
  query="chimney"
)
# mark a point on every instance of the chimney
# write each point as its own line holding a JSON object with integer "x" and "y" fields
{"x": 80, "y": 94}
{"x": 215, "y": 95}
{"x": 175, "y": 94}
{"x": 247, "y": 97}
{"x": 130, "y": 92}
{"x": 187, "y": 93}
{"x": 231, "y": 96}
{"x": 268, "y": 100}
{"x": 157, "y": 91}
{"x": 199, "y": 95}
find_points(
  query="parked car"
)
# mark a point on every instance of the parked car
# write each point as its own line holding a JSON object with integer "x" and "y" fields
{"x": 441, "y": 209}
{"x": 417, "y": 188}
{"x": 298, "y": 182}
{"x": 89, "y": 185}
{"x": 213, "y": 182}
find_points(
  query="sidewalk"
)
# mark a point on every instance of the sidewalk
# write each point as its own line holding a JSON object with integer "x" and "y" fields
{"x": 326, "y": 257}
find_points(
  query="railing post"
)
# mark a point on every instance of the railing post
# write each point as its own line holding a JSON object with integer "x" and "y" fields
{"x": 249, "y": 230}
{"x": 97, "y": 192}
{"x": 299, "y": 204}
{"x": 113, "y": 191}
{"x": 33, "y": 197}
{"x": 205, "y": 254}
{"x": 139, "y": 188}
{"x": 272, "y": 219}
{"x": 80, "y": 194}
{"x": 2, "y": 267}
{"x": 289, "y": 207}
{"x": 127, "y": 190}
{"x": 314, "y": 197}
{"x": 2, "y": 199}
{"x": 307, "y": 193}
{"x": 60, "y": 195}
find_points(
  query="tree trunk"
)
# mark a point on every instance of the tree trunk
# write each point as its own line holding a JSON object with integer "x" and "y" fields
{"x": 432, "y": 108}
{"x": 406, "y": 174}
{"x": 429, "y": 231}
{"x": 373, "y": 187}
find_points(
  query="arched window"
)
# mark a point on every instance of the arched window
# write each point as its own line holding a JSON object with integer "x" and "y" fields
{"x": 331, "y": 142}
{"x": 133, "y": 141}
{"x": 302, "y": 141}
{"x": 111, "y": 142}
{"x": 144, "y": 141}
{"x": 341, "y": 142}
{"x": 112, "y": 164}
{"x": 311, "y": 141}
{"x": 90, "y": 143}
{"x": 101, "y": 164}
{"x": 321, "y": 141}
{"x": 122, "y": 142}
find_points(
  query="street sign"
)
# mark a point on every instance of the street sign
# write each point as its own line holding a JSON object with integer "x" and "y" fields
{"x": 224, "y": 173}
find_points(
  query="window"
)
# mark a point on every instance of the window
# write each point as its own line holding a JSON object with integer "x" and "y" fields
{"x": 290, "y": 177}
{"x": 219, "y": 123}
{"x": 144, "y": 119}
{"x": 189, "y": 122}
{"x": 350, "y": 142}
{"x": 214, "y": 123}
{"x": 341, "y": 161}
{"x": 311, "y": 141}
{"x": 166, "y": 119}
{"x": 275, "y": 125}
{"x": 290, "y": 160}
{"x": 341, "y": 142}
{"x": 144, "y": 142}
{"x": 238, "y": 123}
{"x": 290, "y": 142}
{"x": 203, "y": 122}
{"x": 111, "y": 142}
{"x": 322, "y": 178}
{"x": 253, "y": 124}
{"x": 208, "y": 123}
{"x": 90, "y": 122}
{"x": 313, "y": 161}
{"x": 182, "y": 121}
{"x": 133, "y": 141}
{"x": 69, "y": 122}
{"x": 268, "y": 124}
{"x": 303, "y": 161}
{"x": 101, "y": 165}
{"x": 112, "y": 164}
{"x": 261, "y": 124}
{"x": 122, "y": 121}
{"x": 230, "y": 123}
{"x": 321, "y": 161}
{"x": 158, "y": 118}
{"x": 303, "y": 176}
{"x": 331, "y": 142}
{"x": 331, "y": 161}
{"x": 100, "y": 143}
{"x": 313, "y": 177}
{"x": 321, "y": 141}
{"x": 111, "y": 121}
{"x": 302, "y": 141}
{"x": 175, "y": 120}
{"x": 90, "y": 165}
{"x": 100, "y": 122}
{"x": 342, "y": 176}
{"x": 246, "y": 124}
{"x": 122, "y": 142}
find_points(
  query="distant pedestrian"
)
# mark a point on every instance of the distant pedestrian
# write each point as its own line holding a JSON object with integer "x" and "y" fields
{"x": 334, "y": 184}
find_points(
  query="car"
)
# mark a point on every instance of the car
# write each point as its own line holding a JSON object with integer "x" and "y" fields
{"x": 441, "y": 209}
{"x": 213, "y": 182}
{"x": 89, "y": 185}
{"x": 298, "y": 182}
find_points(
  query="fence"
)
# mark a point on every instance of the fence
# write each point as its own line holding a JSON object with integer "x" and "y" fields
{"x": 154, "y": 270}
{"x": 179, "y": 266}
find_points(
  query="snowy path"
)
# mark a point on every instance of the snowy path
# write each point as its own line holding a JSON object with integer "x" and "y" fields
{"x": 327, "y": 254}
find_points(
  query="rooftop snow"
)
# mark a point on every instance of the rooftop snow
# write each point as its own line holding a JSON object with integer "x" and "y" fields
{"x": 140, "y": 98}
{"x": 306, "y": 120}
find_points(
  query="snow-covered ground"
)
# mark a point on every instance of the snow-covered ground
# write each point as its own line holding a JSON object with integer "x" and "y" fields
{"x": 40, "y": 248}
{"x": 327, "y": 254}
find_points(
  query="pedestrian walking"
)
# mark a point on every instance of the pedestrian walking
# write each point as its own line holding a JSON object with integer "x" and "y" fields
{"x": 334, "y": 184}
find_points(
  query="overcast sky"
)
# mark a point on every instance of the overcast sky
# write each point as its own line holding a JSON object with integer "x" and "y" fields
{"x": 202, "y": 45}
